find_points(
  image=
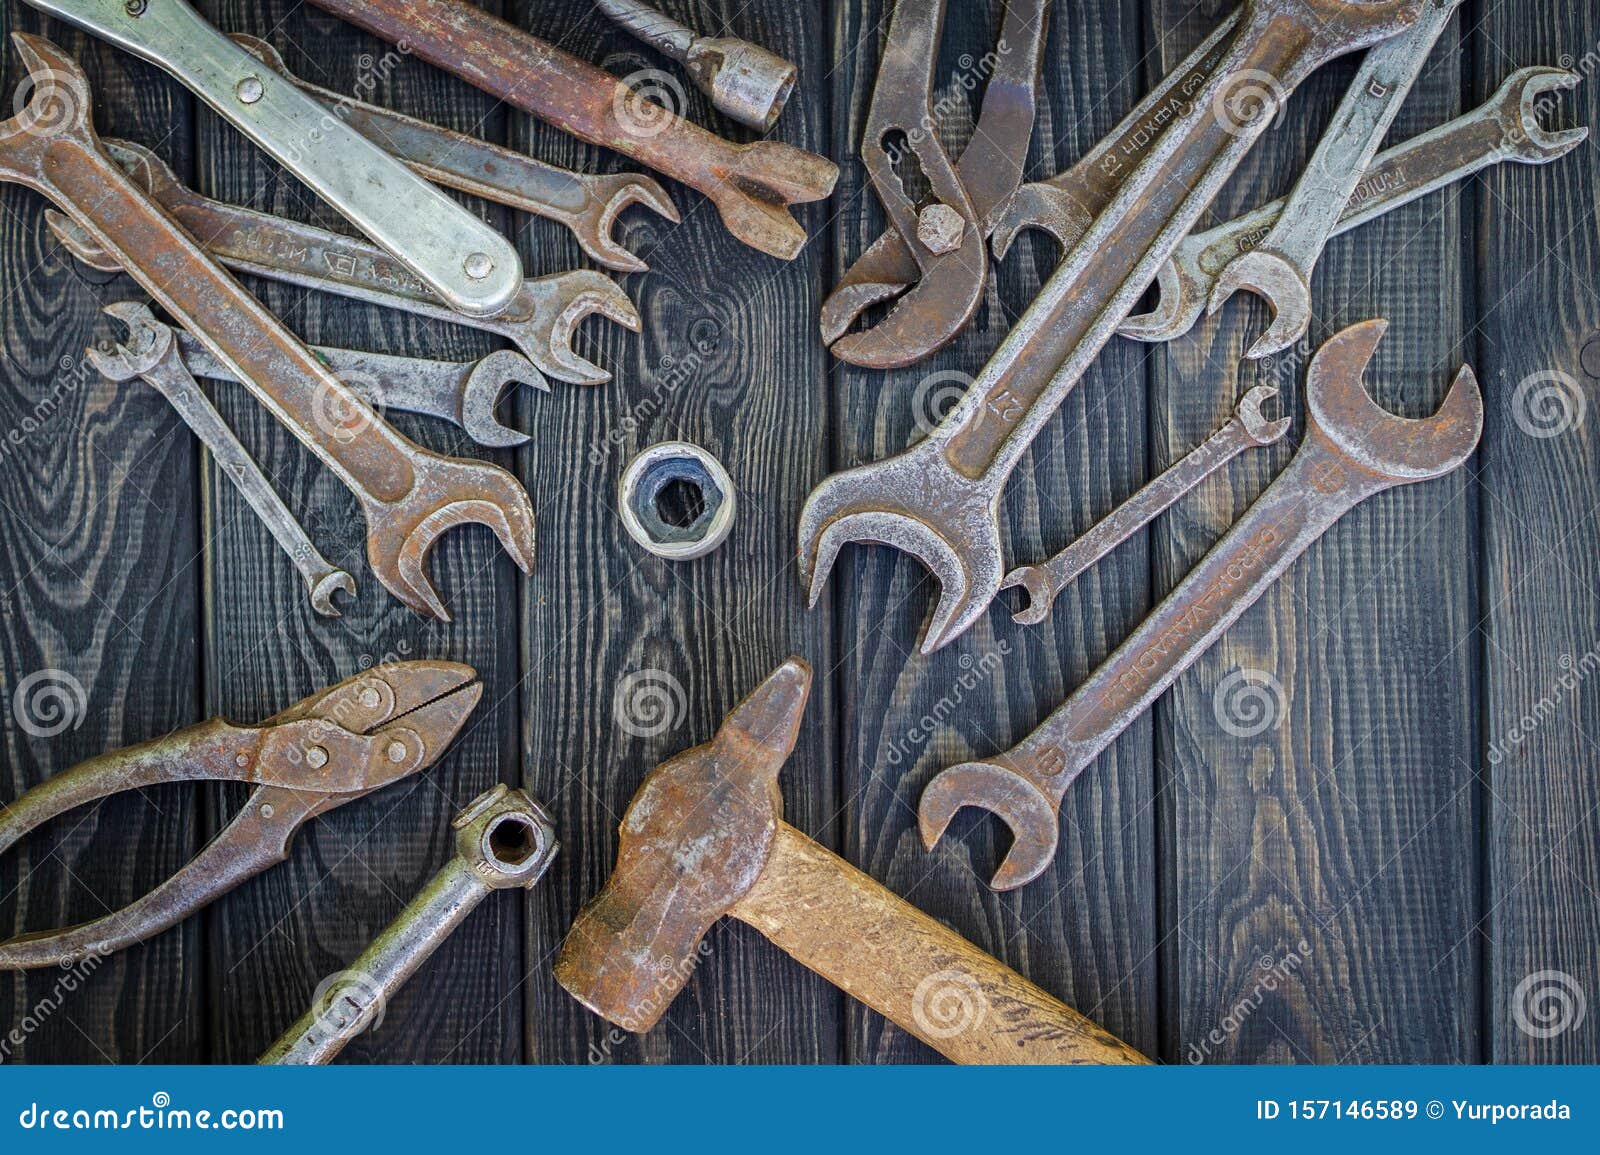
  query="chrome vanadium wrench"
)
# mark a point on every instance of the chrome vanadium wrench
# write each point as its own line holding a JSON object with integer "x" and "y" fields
{"x": 456, "y": 255}
{"x": 1352, "y": 450}
{"x": 410, "y": 496}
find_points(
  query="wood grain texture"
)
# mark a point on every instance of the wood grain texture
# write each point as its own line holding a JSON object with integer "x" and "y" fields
{"x": 1316, "y": 767}
{"x": 99, "y": 593}
{"x": 1539, "y": 348}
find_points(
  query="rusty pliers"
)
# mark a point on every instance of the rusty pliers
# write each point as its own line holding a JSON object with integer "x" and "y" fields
{"x": 335, "y": 747}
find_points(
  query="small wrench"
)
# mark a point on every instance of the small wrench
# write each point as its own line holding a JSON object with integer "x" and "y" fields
{"x": 743, "y": 80}
{"x": 465, "y": 395}
{"x": 151, "y": 353}
{"x": 940, "y": 499}
{"x": 1280, "y": 270}
{"x": 750, "y": 184}
{"x": 586, "y": 204}
{"x": 1249, "y": 429}
{"x": 1506, "y": 128}
{"x": 504, "y": 840}
{"x": 948, "y": 280}
{"x": 540, "y": 322}
{"x": 1353, "y": 450}
{"x": 455, "y": 254}
{"x": 410, "y": 497}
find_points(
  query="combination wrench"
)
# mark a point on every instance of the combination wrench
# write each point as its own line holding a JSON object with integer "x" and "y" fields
{"x": 939, "y": 501}
{"x": 151, "y": 353}
{"x": 1504, "y": 129}
{"x": 1249, "y": 429}
{"x": 1280, "y": 268}
{"x": 1353, "y": 449}
{"x": 587, "y": 204}
{"x": 541, "y": 321}
{"x": 455, "y": 254}
{"x": 504, "y": 841}
{"x": 410, "y": 497}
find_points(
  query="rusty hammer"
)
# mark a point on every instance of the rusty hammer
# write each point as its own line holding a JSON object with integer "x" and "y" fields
{"x": 705, "y": 837}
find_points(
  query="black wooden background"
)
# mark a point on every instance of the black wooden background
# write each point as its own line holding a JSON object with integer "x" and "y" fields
{"x": 1364, "y": 880}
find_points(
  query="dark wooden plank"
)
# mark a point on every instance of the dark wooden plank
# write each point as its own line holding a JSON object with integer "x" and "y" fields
{"x": 729, "y": 360}
{"x": 277, "y": 939}
{"x": 1539, "y": 349}
{"x": 99, "y": 587}
{"x": 1085, "y": 930}
{"x": 1317, "y": 871}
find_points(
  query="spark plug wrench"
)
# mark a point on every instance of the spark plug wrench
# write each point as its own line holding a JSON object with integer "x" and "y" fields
{"x": 456, "y": 255}
{"x": 1280, "y": 269}
{"x": 504, "y": 840}
{"x": 940, "y": 500}
{"x": 151, "y": 353}
{"x": 1249, "y": 429}
{"x": 587, "y": 204}
{"x": 1353, "y": 450}
{"x": 541, "y": 320}
{"x": 409, "y": 496}
{"x": 750, "y": 184}
{"x": 1506, "y": 128}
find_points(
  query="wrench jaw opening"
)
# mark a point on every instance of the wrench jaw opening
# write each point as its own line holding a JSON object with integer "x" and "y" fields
{"x": 559, "y": 305}
{"x": 596, "y": 228}
{"x": 1519, "y": 97}
{"x": 1179, "y": 306}
{"x": 491, "y": 379}
{"x": 1039, "y": 206}
{"x": 60, "y": 105}
{"x": 1275, "y": 279}
{"x": 1035, "y": 582}
{"x": 1030, "y": 814}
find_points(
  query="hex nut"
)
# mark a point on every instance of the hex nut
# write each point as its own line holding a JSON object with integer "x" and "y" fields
{"x": 647, "y": 478}
{"x": 940, "y": 229}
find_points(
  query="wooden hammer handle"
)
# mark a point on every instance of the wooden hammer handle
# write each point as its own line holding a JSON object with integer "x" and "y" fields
{"x": 911, "y": 969}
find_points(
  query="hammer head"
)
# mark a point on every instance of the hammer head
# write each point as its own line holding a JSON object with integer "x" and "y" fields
{"x": 694, "y": 841}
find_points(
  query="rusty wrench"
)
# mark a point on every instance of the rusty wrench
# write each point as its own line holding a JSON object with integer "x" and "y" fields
{"x": 587, "y": 204}
{"x": 410, "y": 496}
{"x": 151, "y": 353}
{"x": 750, "y": 184}
{"x": 939, "y": 501}
{"x": 459, "y": 257}
{"x": 1249, "y": 429}
{"x": 1280, "y": 269}
{"x": 948, "y": 275}
{"x": 1353, "y": 450}
{"x": 1505, "y": 128}
{"x": 541, "y": 321}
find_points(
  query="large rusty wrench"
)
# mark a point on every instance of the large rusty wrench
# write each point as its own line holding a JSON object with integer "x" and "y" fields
{"x": 1280, "y": 269}
{"x": 751, "y": 184}
{"x": 410, "y": 496}
{"x": 1353, "y": 449}
{"x": 948, "y": 276}
{"x": 940, "y": 500}
{"x": 704, "y": 837}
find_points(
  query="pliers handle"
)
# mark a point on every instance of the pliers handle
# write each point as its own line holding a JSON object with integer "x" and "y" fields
{"x": 339, "y": 745}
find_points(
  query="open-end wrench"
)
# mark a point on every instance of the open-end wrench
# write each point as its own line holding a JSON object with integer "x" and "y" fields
{"x": 743, "y": 80}
{"x": 410, "y": 497}
{"x": 151, "y": 353}
{"x": 1067, "y": 204}
{"x": 464, "y": 394}
{"x": 939, "y": 501}
{"x": 1280, "y": 269}
{"x": 540, "y": 322}
{"x": 750, "y": 184}
{"x": 1505, "y": 128}
{"x": 1249, "y": 429}
{"x": 949, "y": 275}
{"x": 455, "y": 254}
{"x": 587, "y": 204}
{"x": 504, "y": 841}
{"x": 1352, "y": 450}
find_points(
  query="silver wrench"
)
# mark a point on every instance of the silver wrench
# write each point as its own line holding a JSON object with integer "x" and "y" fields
{"x": 456, "y": 255}
{"x": 1249, "y": 429}
{"x": 1505, "y": 128}
{"x": 541, "y": 320}
{"x": 151, "y": 353}
{"x": 504, "y": 840}
{"x": 1280, "y": 269}
{"x": 465, "y": 395}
